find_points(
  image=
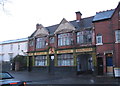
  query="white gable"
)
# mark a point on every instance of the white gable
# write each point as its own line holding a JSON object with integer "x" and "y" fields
{"x": 64, "y": 26}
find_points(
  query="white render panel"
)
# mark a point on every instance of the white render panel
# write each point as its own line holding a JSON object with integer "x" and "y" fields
{"x": 10, "y": 50}
{"x": 65, "y": 26}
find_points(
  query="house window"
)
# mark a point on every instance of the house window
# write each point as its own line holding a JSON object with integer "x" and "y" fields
{"x": 84, "y": 37}
{"x": 65, "y": 39}
{"x": 99, "y": 39}
{"x": 117, "y": 36}
{"x": 31, "y": 43}
{"x": 41, "y": 42}
{"x": 41, "y": 61}
{"x": 65, "y": 60}
{"x": 52, "y": 39}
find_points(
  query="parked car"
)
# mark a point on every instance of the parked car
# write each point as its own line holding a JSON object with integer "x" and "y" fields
{"x": 6, "y": 79}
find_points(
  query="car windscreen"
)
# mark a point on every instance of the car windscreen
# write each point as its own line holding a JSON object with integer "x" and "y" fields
{"x": 5, "y": 76}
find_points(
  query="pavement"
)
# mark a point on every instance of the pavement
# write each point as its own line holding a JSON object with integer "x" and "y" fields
{"x": 64, "y": 79}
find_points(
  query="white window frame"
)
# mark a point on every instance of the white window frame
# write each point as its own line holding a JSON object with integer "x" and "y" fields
{"x": 99, "y": 39}
{"x": 117, "y": 36}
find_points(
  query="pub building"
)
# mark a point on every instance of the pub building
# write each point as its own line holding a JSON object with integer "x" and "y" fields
{"x": 67, "y": 47}
{"x": 84, "y": 45}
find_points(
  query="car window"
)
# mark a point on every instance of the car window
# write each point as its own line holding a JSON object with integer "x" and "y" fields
{"x": 5, "y": 76}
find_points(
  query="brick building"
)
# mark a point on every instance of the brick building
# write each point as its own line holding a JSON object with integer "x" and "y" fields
{"x": 107, "y": 30}
{"x": 78, "y": 46}
{"x": 63, "y": 47}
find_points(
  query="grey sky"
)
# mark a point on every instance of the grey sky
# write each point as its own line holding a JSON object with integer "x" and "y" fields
{"x": 21, "y": 16}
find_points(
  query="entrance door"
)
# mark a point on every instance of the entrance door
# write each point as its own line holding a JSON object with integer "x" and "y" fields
{"x": 100, "y": 65}
{"x": 109, "y": 65}
{"x": 84, "y": 63}
{"x": 51, "y": 66}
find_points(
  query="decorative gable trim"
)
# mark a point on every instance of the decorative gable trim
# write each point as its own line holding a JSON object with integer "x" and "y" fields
{"x": 41, "y": 31}
{"x": 64, "y": 26}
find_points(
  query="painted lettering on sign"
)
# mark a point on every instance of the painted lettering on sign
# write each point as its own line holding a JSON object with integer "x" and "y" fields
{"x": 40, "y": 53}
{"x": 84, "y": 50}
{"x": 64, "y": 51}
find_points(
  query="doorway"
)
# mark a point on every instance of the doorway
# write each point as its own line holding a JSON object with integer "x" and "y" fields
{"x": 51, "y": 63}
{"x": 84, "y": 63}
{"x": 100, "y": 65}
{"x": 109, "y": 63}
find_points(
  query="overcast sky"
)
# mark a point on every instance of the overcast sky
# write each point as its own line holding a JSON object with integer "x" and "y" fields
{"x": 19, "y": 18}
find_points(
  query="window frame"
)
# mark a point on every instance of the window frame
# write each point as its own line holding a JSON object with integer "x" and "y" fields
{"x": 117, "y": 36}
{"x": 65, "y": 39}
{"x": 65, "y": 60}
{"x": 40, "y": 42}
{"x": 40, "y": 60}
{"x": 99, "y": 38}
{"x": 83, "y": 37}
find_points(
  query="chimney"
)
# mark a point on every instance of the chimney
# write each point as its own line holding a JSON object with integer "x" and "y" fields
{"x": 78, "y": 15}
{"x": 38, "y": 26}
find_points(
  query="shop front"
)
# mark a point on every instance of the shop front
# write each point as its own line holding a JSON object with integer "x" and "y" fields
{"x": 67, "y": 60}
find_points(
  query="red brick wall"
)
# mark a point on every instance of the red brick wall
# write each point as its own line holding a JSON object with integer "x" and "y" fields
{"x": 116, "y": 26}
{"x": 104, "y": 28}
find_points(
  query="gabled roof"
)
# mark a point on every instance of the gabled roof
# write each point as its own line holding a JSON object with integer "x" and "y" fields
{"x": 52, "y": 29}
{"x": 14, "y": 41}
{"x": 83, "y": 23}
{"x": 64, "y": 26}
{"x": 103, "y": 15}
{"x": 86, "y": 23}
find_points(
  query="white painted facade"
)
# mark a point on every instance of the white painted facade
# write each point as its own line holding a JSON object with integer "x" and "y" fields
{"x": 9, "y": 49}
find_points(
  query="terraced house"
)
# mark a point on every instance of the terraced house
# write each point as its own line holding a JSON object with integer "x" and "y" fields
{"x": 78, "y": 46}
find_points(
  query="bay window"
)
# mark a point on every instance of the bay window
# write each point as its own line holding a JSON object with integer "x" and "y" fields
{"x": 84, "y": 37}
{"x": 65, "y": 39}
{"x": 41, "y": 42}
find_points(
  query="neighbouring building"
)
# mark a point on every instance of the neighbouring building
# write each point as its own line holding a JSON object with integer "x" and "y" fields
{"x": 107, "y": 31}
{"x": 11, "y": 48}
{"x": 83, "y": 45}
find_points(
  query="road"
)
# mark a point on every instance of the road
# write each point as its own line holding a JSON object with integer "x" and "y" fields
{"x": 43, "y": 79}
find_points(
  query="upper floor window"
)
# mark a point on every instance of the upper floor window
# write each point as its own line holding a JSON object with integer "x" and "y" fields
{"x": 65, "y": 39}
{"x": 52, "y": 39}
{"x": 84, "y": 37}
{"x": 31, "y": 43}
{"x": 117, "y": 36}
{"x": 99, "y": 39}
{"x": 41, "y": 42}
